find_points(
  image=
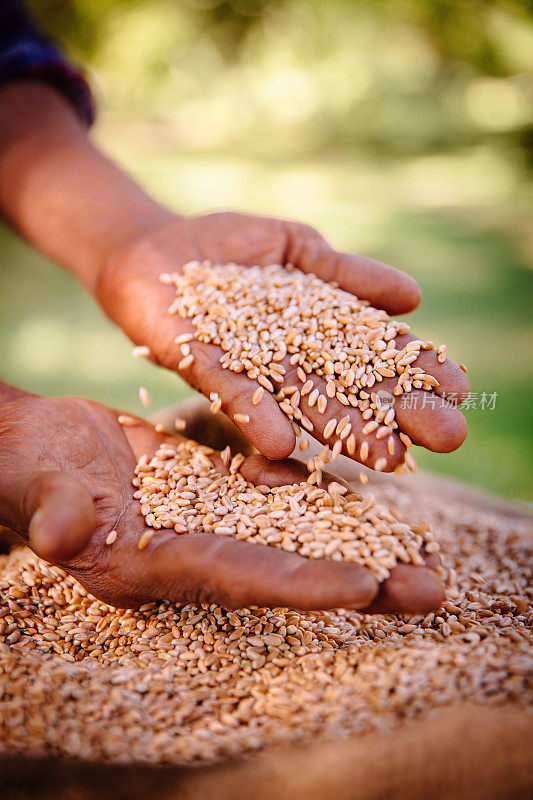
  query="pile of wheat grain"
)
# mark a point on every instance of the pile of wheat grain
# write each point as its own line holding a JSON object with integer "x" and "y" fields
{"x": 180, "y": 489}
{"x": 191, "y": 684}
{"x": 269, "y": 319}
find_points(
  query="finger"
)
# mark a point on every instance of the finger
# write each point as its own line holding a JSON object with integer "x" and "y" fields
{"x": 264, "y": 425}
{"x": 409, "y": 589}
{"x": 385, "y": 287}
{"x": 215, "y": 569}
{"x": 431, "y": 422}
{"x": 427, "y": 419}
{"x": 260, "y": 470}
{"x": 142, "y": 437}
{"x": 60, "y": 515}
{"x": 386, "y": 452}
{"x": 453, "y": 381}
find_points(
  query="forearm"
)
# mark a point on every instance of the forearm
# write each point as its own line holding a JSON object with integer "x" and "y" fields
{"x": 59, "y": 191}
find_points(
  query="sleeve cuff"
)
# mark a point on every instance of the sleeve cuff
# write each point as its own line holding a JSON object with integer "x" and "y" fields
{"x": 31, "y": 58}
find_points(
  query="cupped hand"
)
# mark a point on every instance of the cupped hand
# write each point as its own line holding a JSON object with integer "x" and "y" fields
{"x": 66, "y": 469}
{"x": 130, "y": 291}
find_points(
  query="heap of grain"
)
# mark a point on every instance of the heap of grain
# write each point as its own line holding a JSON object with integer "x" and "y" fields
{"x": 266, "y": 319}
{"x": 194, "y": 683}
{"x": 179, "y": 488}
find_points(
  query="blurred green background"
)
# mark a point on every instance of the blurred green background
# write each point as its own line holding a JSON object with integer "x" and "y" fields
{"x": 401, "y": 128}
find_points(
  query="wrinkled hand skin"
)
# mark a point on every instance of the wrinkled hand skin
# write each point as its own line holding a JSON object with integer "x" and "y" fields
{"x": 130, "y": 292}
{"x": 66, "y": 467}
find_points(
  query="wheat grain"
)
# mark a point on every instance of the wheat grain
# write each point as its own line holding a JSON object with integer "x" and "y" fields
{"x": 194, "y": 683}
{"x": 328, "y": 333}
{"x": 111, "y": 537}
{"x": 144, "y": 396}
{"x": 257, "y": 395}
{"x": 362, "y": 531}
{"x": 141, "y": 351}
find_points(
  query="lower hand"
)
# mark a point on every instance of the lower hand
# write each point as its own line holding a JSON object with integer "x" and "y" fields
{"x": 66, "y": 469}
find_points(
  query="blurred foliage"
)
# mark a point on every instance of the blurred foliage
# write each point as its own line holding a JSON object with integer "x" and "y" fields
{"x": 400, "y": 128}
{"x": 278, "y": 75}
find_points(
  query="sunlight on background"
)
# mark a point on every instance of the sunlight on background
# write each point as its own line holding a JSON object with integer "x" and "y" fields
{"x": 401, "y": 129}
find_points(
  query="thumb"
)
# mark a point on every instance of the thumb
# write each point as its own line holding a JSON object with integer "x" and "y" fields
{"x": 59, "y": 514}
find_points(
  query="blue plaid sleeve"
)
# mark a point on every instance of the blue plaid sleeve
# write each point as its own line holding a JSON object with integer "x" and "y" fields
{"x": 26, "y": 53}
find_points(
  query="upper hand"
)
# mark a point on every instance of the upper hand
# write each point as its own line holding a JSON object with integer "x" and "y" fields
{"x": 130, "y": 291}
{"x": 66, "y": 469}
